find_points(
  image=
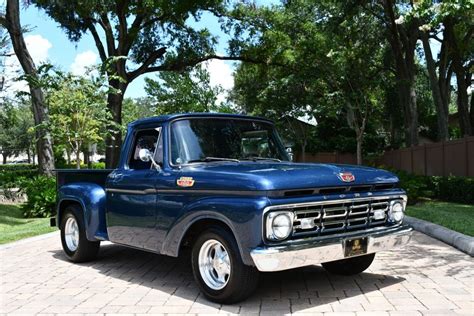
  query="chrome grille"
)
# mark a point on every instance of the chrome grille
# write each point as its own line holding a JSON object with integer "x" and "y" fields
{"x": 338, "y": 217}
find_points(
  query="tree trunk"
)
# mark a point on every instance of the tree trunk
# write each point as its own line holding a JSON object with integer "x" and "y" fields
{"x": 462, "y": 102}
{"x": 28, "y": 155}
{"x": 303, "y": 151}
{"x": 445, "y": 72}
{"x": 413, "y": 115}
{"x": 40, "y": 112}
{"x": 402, "y": 41}
{"x": 113, "y": 142}
{"x": 4, "y": 158}
{"x": 86, "y": 154}
{"x": 68, "y": 156}
{"x": 459, "y": 70}
{"x": 471, "y": 112}
{"x": 78, "y": 159}
{"x": 359, "y": 149}
{"x": 441, "y": 113}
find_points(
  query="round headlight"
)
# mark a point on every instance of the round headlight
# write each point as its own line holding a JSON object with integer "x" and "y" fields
{"x": 396, "y": 212}
{"x": 281, "y": 226}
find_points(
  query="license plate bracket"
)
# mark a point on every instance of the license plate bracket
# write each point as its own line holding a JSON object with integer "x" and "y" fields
{"x": 355, "y": 247}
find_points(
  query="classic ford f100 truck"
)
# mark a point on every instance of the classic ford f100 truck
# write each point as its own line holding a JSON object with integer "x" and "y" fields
{"x": 223, "y": 189}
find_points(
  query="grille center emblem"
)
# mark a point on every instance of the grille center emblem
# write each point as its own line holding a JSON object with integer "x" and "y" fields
{"x": 346, "y": 177}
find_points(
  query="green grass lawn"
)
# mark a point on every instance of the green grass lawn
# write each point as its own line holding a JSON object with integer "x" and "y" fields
{"x": 14, "y": 227}
{"x": 458, "y": 217}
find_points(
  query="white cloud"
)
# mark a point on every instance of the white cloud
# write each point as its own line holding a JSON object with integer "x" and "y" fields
{"x": 82, "y": 62}
{"x": 220, "y": 74}
{"x": 38, "y": 47}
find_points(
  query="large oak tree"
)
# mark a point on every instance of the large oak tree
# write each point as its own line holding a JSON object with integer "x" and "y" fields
{"x": 11, "y": 21}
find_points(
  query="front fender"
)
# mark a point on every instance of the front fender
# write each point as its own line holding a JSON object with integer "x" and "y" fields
{"x": 92, "y": 199}
{"x": 242, "y": 215}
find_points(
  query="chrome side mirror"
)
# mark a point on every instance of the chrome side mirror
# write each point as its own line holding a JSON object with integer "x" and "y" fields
{"x": 145, "y": 155}
{"x": 289, "y": 151}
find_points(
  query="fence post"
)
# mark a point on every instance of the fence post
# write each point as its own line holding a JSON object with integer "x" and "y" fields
{"x": 466, "y": 156}
{"x": 443, "y": 168}
{"x": 425, "y": 161}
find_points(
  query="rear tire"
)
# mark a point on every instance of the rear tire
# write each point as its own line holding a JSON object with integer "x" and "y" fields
{"x": 218, "y": 268}
{"x": 73, "y": 236}
{"x": 349, "y": 266}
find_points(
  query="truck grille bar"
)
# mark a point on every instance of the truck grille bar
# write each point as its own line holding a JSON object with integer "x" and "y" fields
{"x": 334, "y": 218}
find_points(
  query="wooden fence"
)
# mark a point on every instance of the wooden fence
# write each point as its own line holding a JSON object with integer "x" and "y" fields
{"x": 454, "y": 157}
{"x": 327, "y": 157}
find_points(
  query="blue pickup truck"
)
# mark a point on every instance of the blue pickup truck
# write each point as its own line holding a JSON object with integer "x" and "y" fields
{"x": 223, "y": 189}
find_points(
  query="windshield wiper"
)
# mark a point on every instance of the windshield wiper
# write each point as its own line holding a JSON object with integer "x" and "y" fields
{"x": 261, "y": 158}
{"x": 210, "y": 159}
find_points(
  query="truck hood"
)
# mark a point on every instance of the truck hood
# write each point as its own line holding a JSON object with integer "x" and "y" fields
{"x": 279, "y": 176}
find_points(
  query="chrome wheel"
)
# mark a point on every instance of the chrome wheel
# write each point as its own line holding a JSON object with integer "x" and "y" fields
{"x": 214, "y": 264}
{"x": 71, "y": 234}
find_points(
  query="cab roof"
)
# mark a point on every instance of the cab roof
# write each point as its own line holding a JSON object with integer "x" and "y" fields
{"x": 171, "y": 117}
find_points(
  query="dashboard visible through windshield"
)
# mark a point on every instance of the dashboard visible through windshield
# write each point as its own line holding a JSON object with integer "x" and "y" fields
{"x": 211, "y": 139}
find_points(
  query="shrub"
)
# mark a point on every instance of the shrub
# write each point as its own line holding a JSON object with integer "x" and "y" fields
{"x": 453, "y": 189}
{"x": 41, "y": 194}
{"x": 94, "y": 165}
{"x": 13, "y": 175}
{"x": 450, "y": 189}
{"x": 98, "y": 165}
{"x": 416, "y": 186}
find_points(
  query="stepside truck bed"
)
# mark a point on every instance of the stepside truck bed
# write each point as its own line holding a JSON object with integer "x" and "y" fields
{"x": 97, "y": 176}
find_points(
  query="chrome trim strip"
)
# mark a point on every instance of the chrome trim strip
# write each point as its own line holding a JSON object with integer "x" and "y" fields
{"x": 286, "y": 257}
{"x": 180, "y": 191}
{"x": 140, "y": 192}
{"x": 381, "y": 197}
{"x": 203, "y": 191}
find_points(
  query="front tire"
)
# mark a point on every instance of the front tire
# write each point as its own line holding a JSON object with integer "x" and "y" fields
{"x": 218, "y": 268}
{"x": 73, "y": 236}
{"x": 349, "y": 266}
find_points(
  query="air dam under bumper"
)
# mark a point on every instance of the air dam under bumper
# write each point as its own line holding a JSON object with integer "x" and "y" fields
{"x": 315, "y": 252}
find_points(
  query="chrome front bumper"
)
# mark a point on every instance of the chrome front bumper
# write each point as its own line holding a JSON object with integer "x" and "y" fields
{"x": 286, "y": 257}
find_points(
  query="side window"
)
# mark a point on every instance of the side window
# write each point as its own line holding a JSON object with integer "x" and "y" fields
{"x": 143, "y": 139}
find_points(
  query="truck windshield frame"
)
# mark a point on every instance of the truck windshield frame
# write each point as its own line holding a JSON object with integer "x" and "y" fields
{"x": 195, "y": 139}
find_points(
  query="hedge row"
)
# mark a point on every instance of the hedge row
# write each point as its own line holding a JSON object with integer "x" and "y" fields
{"x": 13, "y": 174}
{"x": 449, "y": 189}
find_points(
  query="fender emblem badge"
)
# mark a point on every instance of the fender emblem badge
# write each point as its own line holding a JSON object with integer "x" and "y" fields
{"x": 185, "y": 182}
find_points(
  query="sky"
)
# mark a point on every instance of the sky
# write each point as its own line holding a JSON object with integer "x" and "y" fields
{"x": 46, "y": 42}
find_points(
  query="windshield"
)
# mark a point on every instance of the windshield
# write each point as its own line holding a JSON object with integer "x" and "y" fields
{"x": 210, "y": 139}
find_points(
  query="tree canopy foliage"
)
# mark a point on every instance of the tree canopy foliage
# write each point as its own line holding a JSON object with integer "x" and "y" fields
{"x": 181, "y": 92}
{"x": 373, "y": 74}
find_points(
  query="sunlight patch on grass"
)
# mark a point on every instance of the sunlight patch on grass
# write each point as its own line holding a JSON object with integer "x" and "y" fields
{"x": 458, "y": 217}
{"x": 14, "y": 227}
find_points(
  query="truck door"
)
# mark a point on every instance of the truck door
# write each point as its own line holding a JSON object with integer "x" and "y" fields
{"x": 132, "y": 198}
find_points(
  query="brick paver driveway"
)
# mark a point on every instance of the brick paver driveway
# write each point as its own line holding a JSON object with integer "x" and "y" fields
{"x": 428, "y": 277}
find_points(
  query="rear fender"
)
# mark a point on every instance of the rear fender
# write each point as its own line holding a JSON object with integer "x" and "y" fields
{"x": 91, "y": 197}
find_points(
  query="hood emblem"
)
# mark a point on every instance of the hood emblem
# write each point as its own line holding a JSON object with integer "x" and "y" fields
{"x": 346, "y": 177}
{"x": 185, "y": 182}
